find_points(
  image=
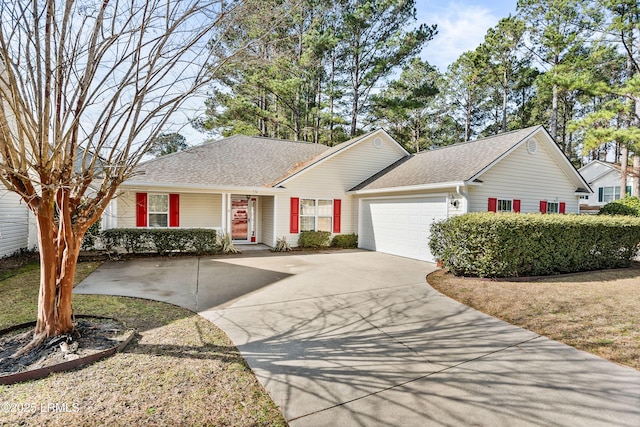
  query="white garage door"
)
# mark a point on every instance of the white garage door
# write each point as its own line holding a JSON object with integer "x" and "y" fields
{"x": 400, "y": 226}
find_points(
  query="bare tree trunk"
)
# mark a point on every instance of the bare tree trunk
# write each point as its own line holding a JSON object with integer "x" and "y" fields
{"x": 624, "y": 163}
{"x": 554, "y": 114}
{"x": 505, "y": 88}
{"x": 467, "y": 124}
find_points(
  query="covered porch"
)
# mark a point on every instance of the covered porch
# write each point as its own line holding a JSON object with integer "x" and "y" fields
{"x": 244, "y": 213}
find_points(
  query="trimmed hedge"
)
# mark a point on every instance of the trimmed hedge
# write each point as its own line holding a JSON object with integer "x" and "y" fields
{"x": 346, "y": 241}
{"x": 511, "y": 245}
{"x": 159, "y": 240}
{"x": 625, "y": 206}
{"x": 314, "y": 239}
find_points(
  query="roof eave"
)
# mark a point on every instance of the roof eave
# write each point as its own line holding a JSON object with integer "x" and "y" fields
{"x": 410, "y": 188}
{"x": 133, "y": 185}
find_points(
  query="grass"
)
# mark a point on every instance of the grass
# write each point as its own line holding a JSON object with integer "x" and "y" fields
{"x": 598, "y": 312}
{"x": 181, "y": 370}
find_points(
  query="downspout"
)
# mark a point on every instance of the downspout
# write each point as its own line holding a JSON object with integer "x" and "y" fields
{"x": 463, "y": 195}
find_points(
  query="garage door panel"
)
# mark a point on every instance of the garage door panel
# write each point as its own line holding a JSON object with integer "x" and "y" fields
{"x": 400, "y": 226}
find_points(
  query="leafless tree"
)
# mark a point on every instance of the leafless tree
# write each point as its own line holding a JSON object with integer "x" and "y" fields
{"x": 85, "y": 88}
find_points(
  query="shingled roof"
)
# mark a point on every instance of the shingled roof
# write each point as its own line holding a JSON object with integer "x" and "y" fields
{"x": 238, "y": 161}
{"x": 454, "y": 163}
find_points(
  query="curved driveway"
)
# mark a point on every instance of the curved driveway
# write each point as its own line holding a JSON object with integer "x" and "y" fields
{"x": 359, "y": 339}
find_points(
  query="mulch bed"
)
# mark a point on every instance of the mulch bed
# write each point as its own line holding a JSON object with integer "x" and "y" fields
{"x": 91, "y": 336}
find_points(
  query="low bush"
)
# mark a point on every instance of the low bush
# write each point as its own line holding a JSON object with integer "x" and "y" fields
{"x": 314, "y": 239}
{"x": 282, "y": 245}
{"x": 511, "y": 245}
{"x": 346, "y": 241}
{"x": 626, "y": 206}
{"x": 91, "y": 236}
{"x": 159, "y": 240}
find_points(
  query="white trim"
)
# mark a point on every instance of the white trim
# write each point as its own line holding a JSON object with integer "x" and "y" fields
{"x": 357, "y": 141}
{"x": 420, "y": 187}
{"x": 200, "y": 188}
{"x": 315, "y": 215}
{"x": 505, "y": 200}
{"x": 149, "y": 213}
{"x": 223, "y": 216}
{"x": 275, "y": 221}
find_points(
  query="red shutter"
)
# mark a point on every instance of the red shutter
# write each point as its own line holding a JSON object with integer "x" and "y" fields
{"x": 516, "y": 206}
{"x": 295, "y": 212}
{"x": 543, "y": 206}
{"x": 337, "y": 213}
{"x": 174, "y": 210}
{"x": 141, "y": 209}
{"x": 563, "y": 207}
{"x": 493, "y": 204}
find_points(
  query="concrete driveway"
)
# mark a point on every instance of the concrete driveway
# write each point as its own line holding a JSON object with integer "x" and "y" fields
{"x": 359, "y": 339}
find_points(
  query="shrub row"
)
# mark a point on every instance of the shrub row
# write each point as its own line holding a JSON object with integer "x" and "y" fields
{"x": 160, "y": 240}
{"x": 511, "y": 245}
{"x": 625, "y": 206}
{"x": 322, "y": 239}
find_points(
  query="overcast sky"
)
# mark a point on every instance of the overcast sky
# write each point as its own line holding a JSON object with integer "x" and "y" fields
{"x": 461, "y": 27}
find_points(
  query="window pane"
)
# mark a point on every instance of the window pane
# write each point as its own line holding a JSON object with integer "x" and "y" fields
{"x": 324, "y": 224}
{"x": 504, "y": 206}
{"x": 158, "y": 220}
{"x": 307, "y": 207}
{"x": 325, "y": 207}
{"x": 307, "y": 223}
{"x": 616, "y": 191}
{"x": 552, "y": 207}
{"x": 158, "y": 203}
{"x": 607, "y": 194}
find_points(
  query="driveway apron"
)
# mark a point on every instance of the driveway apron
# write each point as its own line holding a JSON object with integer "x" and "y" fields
{"x": 360, "y": 339}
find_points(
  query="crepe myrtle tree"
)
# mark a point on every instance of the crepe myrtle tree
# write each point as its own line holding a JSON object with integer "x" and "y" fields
{"x": 85, "y": 87}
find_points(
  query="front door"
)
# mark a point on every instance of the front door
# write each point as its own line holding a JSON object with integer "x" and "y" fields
{"x": 243, "y": 211}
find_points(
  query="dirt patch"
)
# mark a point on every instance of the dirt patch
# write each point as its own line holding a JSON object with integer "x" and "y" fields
{"x": 91, "y": 336}
{"x": 598, "y": 312}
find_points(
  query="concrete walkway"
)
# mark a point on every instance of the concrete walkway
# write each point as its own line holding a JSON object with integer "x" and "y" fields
{"x": 359, "y": 339}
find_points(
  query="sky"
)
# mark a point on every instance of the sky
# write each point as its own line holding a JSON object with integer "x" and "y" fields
{"x": 461, "y": 27}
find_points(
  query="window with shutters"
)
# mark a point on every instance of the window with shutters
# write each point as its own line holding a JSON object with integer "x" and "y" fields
{"x": 158, "y": 210}
{"x": 609, "y": 194}
{"x": 316, "y": 215}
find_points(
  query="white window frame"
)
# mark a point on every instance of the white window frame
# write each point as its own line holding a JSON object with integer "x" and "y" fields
{"x": 499, "y": 201}
{"x": 315, "y": 215}
{"x": 557, "y": 207}
{"x": 614, "y": 195}
{"x": 149, "y": 212}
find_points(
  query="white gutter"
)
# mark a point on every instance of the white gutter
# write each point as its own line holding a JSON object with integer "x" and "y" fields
{"x": 133, "y": 185}
{"x": 420, "y": 187}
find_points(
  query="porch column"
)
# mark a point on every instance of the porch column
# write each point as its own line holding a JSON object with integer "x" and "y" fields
{"x": 223, "y": 216}
{"x": 275, "y": 222}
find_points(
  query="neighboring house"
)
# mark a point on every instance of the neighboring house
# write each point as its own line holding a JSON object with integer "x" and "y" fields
{"x": 604, "y": 179}
{"x": 14, "y": 223}
{"x": 261, "y": 189}
{"x": 14, "y": 214}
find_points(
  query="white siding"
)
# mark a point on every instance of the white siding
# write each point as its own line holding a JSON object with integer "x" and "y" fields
{"x": 529, "y": 178}
{"x": 196, "y": 210}
{"x": 14, "y": 223}
{"x": 611, "y": 179}
{"x": 332, "y": 178}
{"x": 265, "y": 212}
